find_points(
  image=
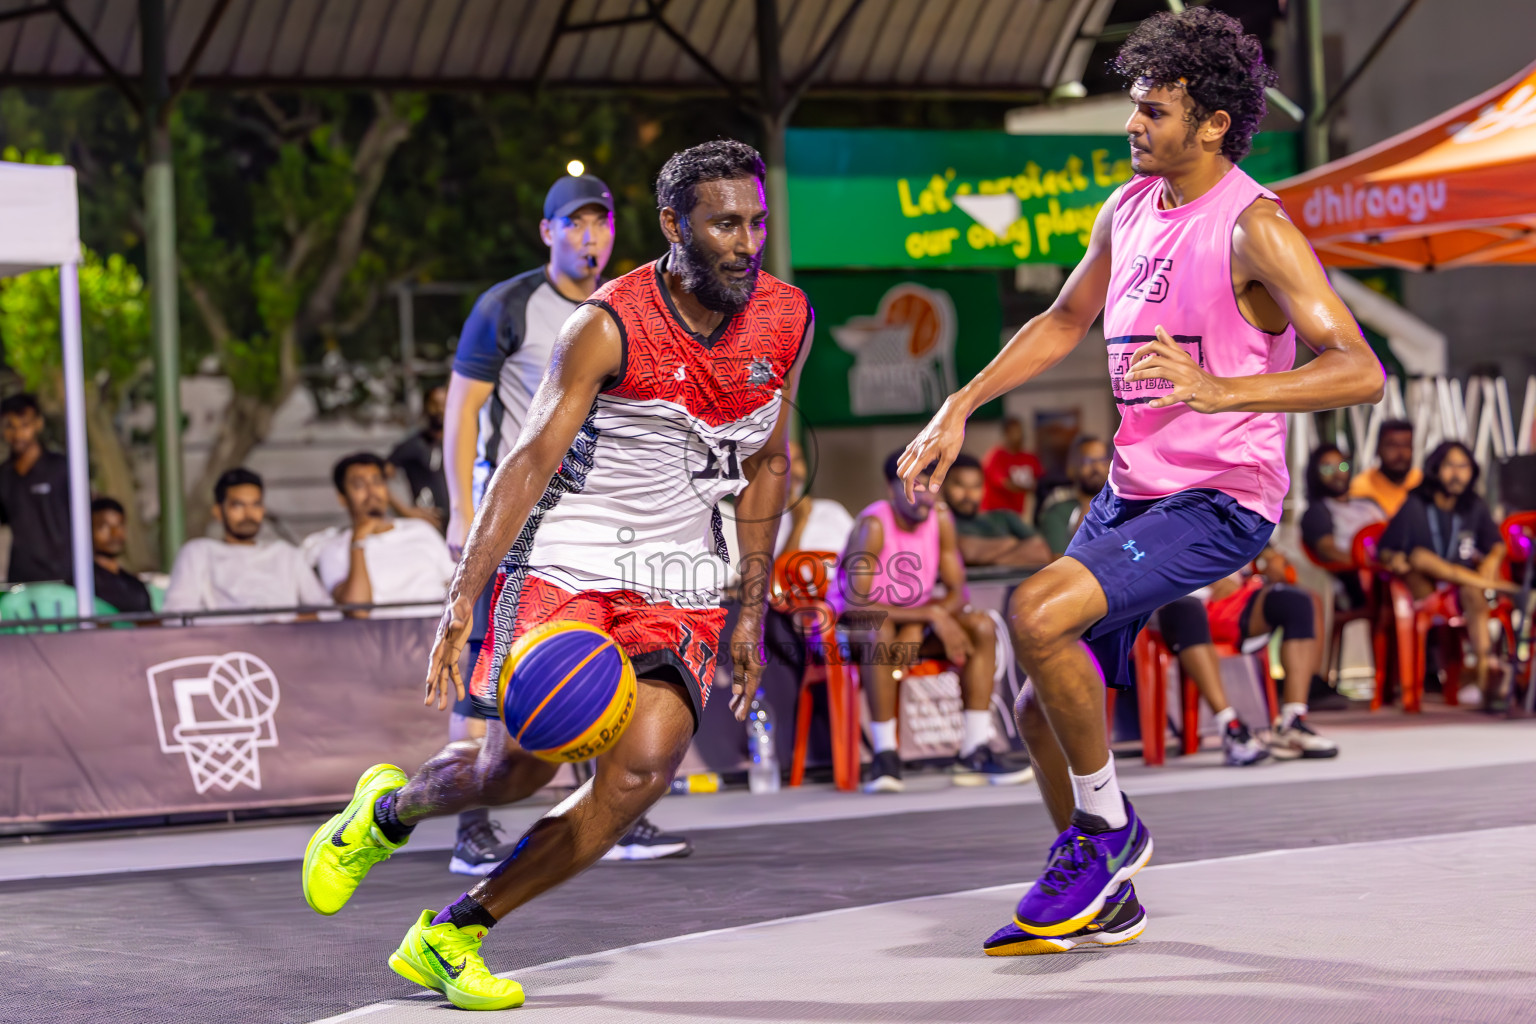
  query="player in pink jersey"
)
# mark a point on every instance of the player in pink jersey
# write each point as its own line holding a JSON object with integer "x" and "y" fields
{"x": 1205, "y": 284}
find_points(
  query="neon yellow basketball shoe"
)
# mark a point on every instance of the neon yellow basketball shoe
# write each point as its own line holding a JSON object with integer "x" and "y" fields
{"x": 446, "y": 958}
{"x": 341, "y": 852}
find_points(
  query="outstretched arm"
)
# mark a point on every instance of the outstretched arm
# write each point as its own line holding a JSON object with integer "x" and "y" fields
{"x": 1039, "y": 345}
{"x": 587, "y": 353}
{"x": 1268, "y": 249}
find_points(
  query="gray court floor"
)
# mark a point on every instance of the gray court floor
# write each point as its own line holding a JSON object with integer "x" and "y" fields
{"x": 1392, "y": 884}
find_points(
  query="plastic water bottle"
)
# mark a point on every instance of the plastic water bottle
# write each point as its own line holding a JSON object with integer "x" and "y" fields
{"x": 763, "y": 775}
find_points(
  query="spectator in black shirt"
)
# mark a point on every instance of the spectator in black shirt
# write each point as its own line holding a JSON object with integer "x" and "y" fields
{"x": 34, "y": 496}
{"x": 115, "y": 585}
{"x": 1444, "y": 536}
{"x": 420, "y": 458}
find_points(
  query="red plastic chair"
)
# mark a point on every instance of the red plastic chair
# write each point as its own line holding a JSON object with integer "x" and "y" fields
{"x": 801, "y": 580}
{"x": 1151, "y": 657}
{"x": 1343, "y": 617}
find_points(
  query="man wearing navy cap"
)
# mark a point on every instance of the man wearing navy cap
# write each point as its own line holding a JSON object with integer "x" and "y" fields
{"x": 503, "y": 350}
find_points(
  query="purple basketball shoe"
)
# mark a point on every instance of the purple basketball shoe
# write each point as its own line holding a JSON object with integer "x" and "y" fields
{"x": 1088, "y": 863}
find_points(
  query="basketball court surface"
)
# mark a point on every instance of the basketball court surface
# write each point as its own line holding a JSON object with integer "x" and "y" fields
{"x": 1389, "y": 885}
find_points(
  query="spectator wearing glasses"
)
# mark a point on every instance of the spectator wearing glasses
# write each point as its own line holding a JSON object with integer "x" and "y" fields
{"x": 115, "y": 585}
{"x": 1088, "y": 466}
{"x": 1393, "y": 476}
{"x": 34, "y": 496}
{"x": 1334, "y": 516}
{"x": 1444, "y": 536}
{"x": 236, "y": 570}
{"x": 998, "y": 537}
{"x": 380, "y": 559}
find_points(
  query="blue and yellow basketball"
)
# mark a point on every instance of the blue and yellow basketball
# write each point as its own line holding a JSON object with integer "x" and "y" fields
{"x": 567, "y": 691}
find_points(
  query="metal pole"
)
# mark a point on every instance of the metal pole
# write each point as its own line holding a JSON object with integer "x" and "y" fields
{"x": 775, "y": 119}
{"x": 74, "y": 431}
{"x": 160, "y": 250}
{"x": 1315, "y": 136}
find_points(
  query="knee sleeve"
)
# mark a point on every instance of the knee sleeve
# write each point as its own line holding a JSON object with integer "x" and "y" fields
{"x": 1290, "y": 610}
{"x": 1184, "y": 624}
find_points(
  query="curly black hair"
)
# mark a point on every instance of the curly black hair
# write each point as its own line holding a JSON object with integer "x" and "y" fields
{"x": 677, "y": 184}
{"x": 1222, "y": 68}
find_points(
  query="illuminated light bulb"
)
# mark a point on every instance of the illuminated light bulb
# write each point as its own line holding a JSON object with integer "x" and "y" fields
{"x": 575, "y": 168}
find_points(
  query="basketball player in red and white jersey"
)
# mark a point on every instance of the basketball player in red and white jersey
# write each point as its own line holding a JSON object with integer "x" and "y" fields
{"x": 667, "y": 391}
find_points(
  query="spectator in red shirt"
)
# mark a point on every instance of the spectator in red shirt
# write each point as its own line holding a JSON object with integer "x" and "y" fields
{"x": 1011, "y": 472}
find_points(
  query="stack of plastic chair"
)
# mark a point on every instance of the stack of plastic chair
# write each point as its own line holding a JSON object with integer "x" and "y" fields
{"x": 801, "y": 580}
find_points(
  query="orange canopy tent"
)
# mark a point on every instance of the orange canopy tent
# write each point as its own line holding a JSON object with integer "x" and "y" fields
{"x": 1456, "y": 191}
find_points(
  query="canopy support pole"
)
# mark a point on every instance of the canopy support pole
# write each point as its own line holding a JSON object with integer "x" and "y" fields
{"x": 74, "y": 430}
{"x": 775, "y": 107}
{"x": 1315, "y": 135}
{"x": 160, "y": 246}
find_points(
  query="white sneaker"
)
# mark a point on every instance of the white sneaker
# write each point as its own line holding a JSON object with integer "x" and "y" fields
{"x": 1469, "y": 696}
{"x": 1295, "y": 738}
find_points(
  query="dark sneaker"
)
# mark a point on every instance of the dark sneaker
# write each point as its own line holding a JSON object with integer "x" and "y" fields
{"x": 1322, "y": 697}
{"x": 647, "y": 842}
{"x": 1295, "y": 738}
{"x": 885, "y": 774}
{"x": 1239, "y": 746}
{"x": 479, "y": 849}
{"x": 1088, "y": 862}
{"x": 1122, "y": 919}
{"x": 982, "y": 768}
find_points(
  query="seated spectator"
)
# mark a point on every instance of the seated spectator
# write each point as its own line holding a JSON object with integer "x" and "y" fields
{"x": 888, "y": 593}
{"x": 380, "y": 559}
{"x": 115, "y": 585}
{"x": 420, "y": 458}
{"x": 1389, "y": 482}
{"x": 1243, "y": 610}
{"x": 809, "y": 524}
{"x": 1088, "y": 466}
{"x": 34, "y": 496}
{"x": 999, "y": 537}
{"x": 236, "y": 571}
{"x": 1011, "y": 472}
{"x": 1186, "y": 630}
{"x": 1334, "y": 516}
{"x": 1444, "y": 536}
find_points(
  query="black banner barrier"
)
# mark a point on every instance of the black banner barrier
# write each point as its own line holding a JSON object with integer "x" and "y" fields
{"x": 113, "y": 723}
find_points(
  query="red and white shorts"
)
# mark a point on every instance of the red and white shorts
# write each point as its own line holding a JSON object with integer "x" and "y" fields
{"x": 662, "y": 641}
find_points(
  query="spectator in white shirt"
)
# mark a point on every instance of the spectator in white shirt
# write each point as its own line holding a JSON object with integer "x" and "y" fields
{"x": 381, "y": 559}
{"x": 237, "y": 572}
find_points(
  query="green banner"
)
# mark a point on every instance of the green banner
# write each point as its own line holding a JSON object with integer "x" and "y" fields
{"x": 876, "y": 198}
{"x": 890, "y": 347}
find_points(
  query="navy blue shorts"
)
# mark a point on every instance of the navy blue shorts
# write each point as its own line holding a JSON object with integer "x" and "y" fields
{"x": 1148, "y": 553}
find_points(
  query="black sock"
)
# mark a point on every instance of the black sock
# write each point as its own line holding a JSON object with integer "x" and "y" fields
{"x": 393, "y": 828}
{"x": 479, "y": 816}
{"x": 464, "y": 912}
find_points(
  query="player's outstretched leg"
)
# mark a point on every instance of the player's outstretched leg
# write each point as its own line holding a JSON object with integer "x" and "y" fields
{"x": 386, "y": 806}
{"x": 1122, "y": 917}
{"x": 1105, "y": 843}
{"x": 569, "y": 839}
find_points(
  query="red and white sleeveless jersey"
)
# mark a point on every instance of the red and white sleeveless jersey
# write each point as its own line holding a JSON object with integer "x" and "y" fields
{"x": 635, "y": 505}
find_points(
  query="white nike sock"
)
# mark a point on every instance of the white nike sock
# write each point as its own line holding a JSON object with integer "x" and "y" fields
{"x": 978, "y": 732}
{"x": 1099, "y": 794}
{"x": 1289, "y": 711}
{"x": 1225, "y": 715}
{"x": 883, "y": 735}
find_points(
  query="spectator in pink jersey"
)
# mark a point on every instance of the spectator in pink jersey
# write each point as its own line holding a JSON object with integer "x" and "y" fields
{"x": 901, "y": 590}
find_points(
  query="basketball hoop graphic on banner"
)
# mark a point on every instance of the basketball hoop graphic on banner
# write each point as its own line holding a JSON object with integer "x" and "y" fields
{"x": 904, "y": 355}
{"x": 217, "y": 710}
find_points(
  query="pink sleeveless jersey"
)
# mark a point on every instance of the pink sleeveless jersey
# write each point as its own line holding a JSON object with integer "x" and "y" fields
{"x": 1174, "y": 268}
{"x": 905, "y": 572}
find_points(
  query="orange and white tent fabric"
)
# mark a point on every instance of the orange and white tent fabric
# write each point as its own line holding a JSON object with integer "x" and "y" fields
{"x": 1456, "y": 191}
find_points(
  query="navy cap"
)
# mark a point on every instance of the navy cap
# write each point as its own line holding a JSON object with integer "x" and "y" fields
{"x": 572, "y": 192}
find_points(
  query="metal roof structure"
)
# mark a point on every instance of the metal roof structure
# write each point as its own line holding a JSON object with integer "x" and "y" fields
{"x": 904, "y": 47}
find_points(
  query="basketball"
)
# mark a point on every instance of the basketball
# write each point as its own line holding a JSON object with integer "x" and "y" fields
{"x": 566, "y": 692}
